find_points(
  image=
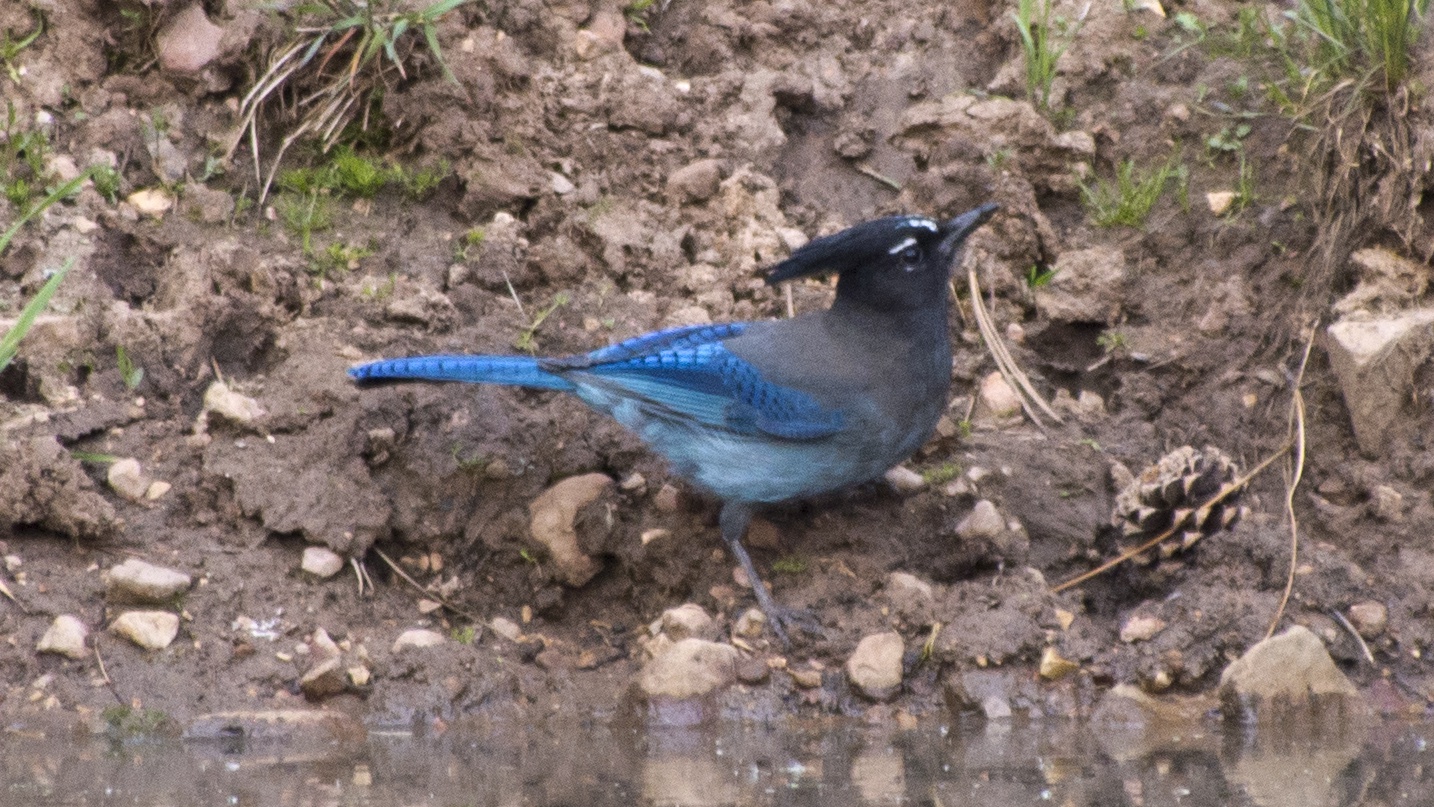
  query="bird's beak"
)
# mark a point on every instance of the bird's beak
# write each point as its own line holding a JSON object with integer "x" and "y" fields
{"x": 956, "y": 230}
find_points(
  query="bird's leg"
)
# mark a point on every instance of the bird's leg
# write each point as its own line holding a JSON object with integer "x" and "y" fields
{"x": 733, "y": 520}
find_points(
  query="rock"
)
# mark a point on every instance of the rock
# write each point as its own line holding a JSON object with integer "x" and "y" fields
{"x": 234, "y": 407}
{"x": 417, "y": 637}
{"x": 750, "y": 624}
{"x": 156, "y": 490}
{"x": 152, "y": 630}
{"x": 140, "y": 582}
{"x": 506, "y": 628}
{"x": 910, "y": 596}
{"x": 151, "y": 201}
{"x": 1054, "y": 666}
{"x": 875, "y": 666}
{"x": 205, "y": 204}
{"x": 1220, "y": 201}
{"x": 695, "y": 182}
{"x": 1374, "y": 360}
{"x": 1369, "y": 618}
{"x": 1282, "y": 673}
{"x": 688, "y": 669}
{"x": 65, "y": 636}
{"x": 1386, "y": 503}
{"x": 189, "y": 42}
{"x": 321, "y": 562}
{"x": 904, "y": 480}
{"x": 686, "y": 621}
{"x": 560, "y": 184}
{"x": 997, "y": 398}
{"x": 1088, "y": 286}
{"x": 324, "y": 680}
{"x": 984, "y": 522}
{"x": 553, "y": 526}
{"x": 128, "y": 479}
{"x": 1141, "y": 628}
{"x": 665, "y": 500}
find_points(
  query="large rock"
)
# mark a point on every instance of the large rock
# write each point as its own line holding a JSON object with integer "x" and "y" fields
{"x": 1374, "y": 360}
{"x": 688, "y": 669}
{"x": 1287, "y": 672}
{"x": 555, "y": 514}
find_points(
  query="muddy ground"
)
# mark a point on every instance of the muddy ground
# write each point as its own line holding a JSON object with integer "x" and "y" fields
{"x": 627, "y": 172}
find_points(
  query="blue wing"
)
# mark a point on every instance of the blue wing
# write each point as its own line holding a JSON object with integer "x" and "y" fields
{"x": 687, "y": 374}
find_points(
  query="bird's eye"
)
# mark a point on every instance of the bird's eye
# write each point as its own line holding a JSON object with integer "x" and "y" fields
{"x": 911, "y": 256}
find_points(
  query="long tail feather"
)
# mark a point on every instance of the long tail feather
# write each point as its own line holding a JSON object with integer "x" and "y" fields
{"x": 518, "y": 371}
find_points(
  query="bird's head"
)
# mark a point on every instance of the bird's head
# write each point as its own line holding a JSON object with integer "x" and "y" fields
{"x": 898, "y": 262}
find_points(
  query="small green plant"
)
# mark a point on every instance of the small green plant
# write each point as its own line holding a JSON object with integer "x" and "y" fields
{"x": 418, "y": 183}
{"x": 636, "y": 12}
{"x": 1038, "y": 275}
{"x": 1000, "y": 158}
{"x": 338, "y": 258}
{"x": 465, "y": 635}
{"x": 10, "y": 342}
{"x": 94, "y": 459}
{"x": 472, "y": 463}
{"x": 129, "y": 722}
{"x": 131, "y": 373}
{"x": 791, "y": 564}
{"x": 528, "y": 555}
{"x": 942, "y": 473}
{"x": 12, "y": 45}
{"x": 1043, "y": 41}
{"x": 358, "y": 175}
{"x": 1244, "y": 187}
{"x": 107, "y": 181}
{"x": 373, "y": 290}
{"x": 1129, "y": 199}
{"x": 304, "y": 215}
{"x": 1229, "y": 140}
{"x": 526, "y": 340}
{"x": 1112, "y": 341}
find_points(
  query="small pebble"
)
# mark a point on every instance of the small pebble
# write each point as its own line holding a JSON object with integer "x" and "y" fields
{"x": 152, "y": 630}
{"x": 65, "y": 636}
{"x": 417, "y": 637}
{"x": 322, "y": 562}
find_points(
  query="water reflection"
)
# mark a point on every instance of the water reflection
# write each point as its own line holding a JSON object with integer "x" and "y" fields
{"x": 821, "y": 763}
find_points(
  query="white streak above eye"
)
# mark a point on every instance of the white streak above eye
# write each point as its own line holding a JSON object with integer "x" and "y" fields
{"x": 923, "y": 223}
{"x": 909, "y": 242}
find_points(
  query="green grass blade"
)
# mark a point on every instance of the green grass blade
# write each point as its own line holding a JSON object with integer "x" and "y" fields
{"x": 65, "y": 191}
{"x": 10, "y": 342}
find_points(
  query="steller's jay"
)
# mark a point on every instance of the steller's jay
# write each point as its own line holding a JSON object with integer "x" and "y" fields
{"x": 758, "y": 412}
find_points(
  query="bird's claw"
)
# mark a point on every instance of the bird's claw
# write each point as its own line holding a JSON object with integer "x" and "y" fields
{"x": 784, "y": 621}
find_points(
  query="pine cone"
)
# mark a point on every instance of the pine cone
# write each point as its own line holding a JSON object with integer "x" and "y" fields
{"x": 1173, "y": 493}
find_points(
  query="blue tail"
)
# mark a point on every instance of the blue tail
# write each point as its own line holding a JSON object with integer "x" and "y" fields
{"x": 518, "y": 371}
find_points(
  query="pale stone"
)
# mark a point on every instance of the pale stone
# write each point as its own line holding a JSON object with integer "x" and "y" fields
{"x": 235, "y": 407}
{"x": 1290, "y": 667}
{"x": 138, "y": 581}
{"x": 320, "y": 561}
{"x": 875, "y": 666}
{"x": 1088, "y": 286}
{"x": 152, "y": 630}
{"x": 1220, "y": 202}
{"x": 1054, "y": 666}
{"x": 127, "y": 479}
{"x": 984, "y": 521}
{"x": 1369, "y": 618}
{"x": 552, "y": 524}
{"x": 417, "y": 637}
{"x": 688, "y": 621}
{"x": 997, "y": 397}
{"x": 905, "y": 480}
{"x": 695, "y": 182}
{"x": 151, "y": 201}
{"x": 1374, "y": 360}
{"x": 688, "y": 669}
{"x": 1140, "y": 628}
{"x": 65, "y": 636}
{"x": 506, "y": 628}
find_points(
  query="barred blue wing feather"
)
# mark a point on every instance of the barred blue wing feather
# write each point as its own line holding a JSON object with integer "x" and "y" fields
{"x": 519, "y": 371}
{"x": 691, "y": 375}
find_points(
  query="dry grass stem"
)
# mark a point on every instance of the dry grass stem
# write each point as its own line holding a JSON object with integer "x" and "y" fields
{"x": 1296, "y": 473}
{"x": 1017, "y": 378}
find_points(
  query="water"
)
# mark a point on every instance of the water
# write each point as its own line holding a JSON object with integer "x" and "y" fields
{"x": 826, "y": 763}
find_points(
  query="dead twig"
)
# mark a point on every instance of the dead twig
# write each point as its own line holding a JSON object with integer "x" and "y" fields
{"x": 1296, "y": 473}
{"x": 1015, "y": 377}
{"x": 439, "y": 598}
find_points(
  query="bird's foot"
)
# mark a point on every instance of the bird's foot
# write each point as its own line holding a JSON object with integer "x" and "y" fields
{"x": 785, "y": 621}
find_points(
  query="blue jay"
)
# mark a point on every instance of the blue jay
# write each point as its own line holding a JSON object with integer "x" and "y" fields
{"x": 760, "y": 412}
